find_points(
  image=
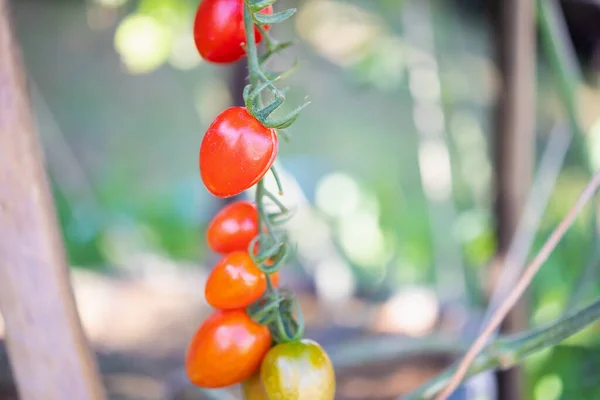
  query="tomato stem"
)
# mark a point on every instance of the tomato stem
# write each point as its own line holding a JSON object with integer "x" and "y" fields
{"x": 274, "y": 308}
{"x": 253, "y": 66}
{"x": 279, "y": 187}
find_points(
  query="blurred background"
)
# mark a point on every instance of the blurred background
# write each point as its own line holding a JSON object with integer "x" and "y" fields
{"x": 410, "y": 170}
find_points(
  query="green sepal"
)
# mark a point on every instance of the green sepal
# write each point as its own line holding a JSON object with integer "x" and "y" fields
{"x": 257, "y": 5}
{"x": 288, "y": 120}
{"x": 275, "y": 18}
{"x": 264, "y": 113}
{"x": 250, "y": 97}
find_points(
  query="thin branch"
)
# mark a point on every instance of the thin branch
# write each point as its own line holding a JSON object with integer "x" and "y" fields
{"x": 521, "y": 285}
{"x": 512, "y": 350}
{"x": 544, "y": 182}
{"x": 559, "y": 49}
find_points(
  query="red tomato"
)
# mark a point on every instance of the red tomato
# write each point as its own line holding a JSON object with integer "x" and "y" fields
{"x": 233, "y": 228}
{"x": 236, "y": 152}
{"x": 227, "y": 349}
{"x": 235, "y": 282}
{"x": 219, "y": 30}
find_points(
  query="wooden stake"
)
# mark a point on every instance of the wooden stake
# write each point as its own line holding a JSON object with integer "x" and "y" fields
{"x": 49, "y": 354}
{"x": 515, "y": 151}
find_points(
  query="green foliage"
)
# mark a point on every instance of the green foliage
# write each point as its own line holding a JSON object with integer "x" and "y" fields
{"x": 567, "y": 372}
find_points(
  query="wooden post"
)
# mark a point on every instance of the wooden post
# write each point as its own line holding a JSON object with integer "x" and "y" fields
{"x": 515, "y": 146}
{"x": 50, "y": 356}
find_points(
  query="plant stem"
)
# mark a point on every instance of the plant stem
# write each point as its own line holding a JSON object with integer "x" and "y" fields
{"x": 521, "y": 285}
{"x": 512, "y": 350}
{"x": 251, "y": 51}
{"x": 255, "y": 79}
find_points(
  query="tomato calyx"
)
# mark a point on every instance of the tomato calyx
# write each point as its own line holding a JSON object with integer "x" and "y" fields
{"x": 279, "y": 310}
{"x": 269, "y": 254}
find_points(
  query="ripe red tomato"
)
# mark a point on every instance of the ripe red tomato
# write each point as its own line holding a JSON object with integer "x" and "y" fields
{"x": 235, "y": 282}
{"x": 233, "y": 228}
{"x": 298, "y": 370}
{"x": 227, "y": 349}
{"x": 219, "y": 30}
{"x": 236, "y": 152}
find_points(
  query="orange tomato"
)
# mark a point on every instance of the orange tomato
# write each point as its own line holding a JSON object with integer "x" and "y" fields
{"x": 227, "y": 349}
{"x": 235, "y": 282}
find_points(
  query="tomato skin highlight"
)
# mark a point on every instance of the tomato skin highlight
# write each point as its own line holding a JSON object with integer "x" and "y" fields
{"x": 233, "y": 228}
{"x": 219, "y": 30}
{"x": 298, "y": 371}
{"x": 227, "y": 349}
{"x": 236, "y": 152}
{"x": 235, "y": 282}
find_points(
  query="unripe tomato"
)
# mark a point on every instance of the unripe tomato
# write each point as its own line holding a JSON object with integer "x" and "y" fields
{"x": 253, "y": 389}
{"x": 233, "y": 228}
{"x": 298, "y": 371}
{"x": 227, "y": 349}
{"x": 235, "y": 282}
{"x": 219, "y": 30}
{"x": 236, "y": 152}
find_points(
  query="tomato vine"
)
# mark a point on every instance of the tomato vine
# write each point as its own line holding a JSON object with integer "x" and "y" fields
{"x": 237, "y": 151}
{"x": 273, "y": 243}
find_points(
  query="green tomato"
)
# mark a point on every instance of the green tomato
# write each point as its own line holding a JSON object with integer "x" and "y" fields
{"x": 253, "y": 389}
{"x": 298, "y": 371}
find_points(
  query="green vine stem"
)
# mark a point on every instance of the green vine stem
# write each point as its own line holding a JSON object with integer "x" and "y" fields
{"x": 277, "y": 307}
{"x": 509, "y": 351}
{"x": 251, "y": 50}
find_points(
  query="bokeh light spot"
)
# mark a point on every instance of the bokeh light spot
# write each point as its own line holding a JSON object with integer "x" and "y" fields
{"x": 334, "y": 280}
{"x": 337, "y": 194}
{"x": 363, "y": 240}
{"x": 143, "y": 43}
{"x": 184, "y": 55}
{"x": 549, "y": 387}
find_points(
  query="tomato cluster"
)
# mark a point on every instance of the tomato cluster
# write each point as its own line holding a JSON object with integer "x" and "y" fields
{"x": 239, "y": 342}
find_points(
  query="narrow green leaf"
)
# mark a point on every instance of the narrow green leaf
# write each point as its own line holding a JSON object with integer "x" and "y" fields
{"x": 288, "y": 120}
{"x": 263, "y": 114}
{"x": 275, "y": 18}
{"x": 254, "y": 93}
